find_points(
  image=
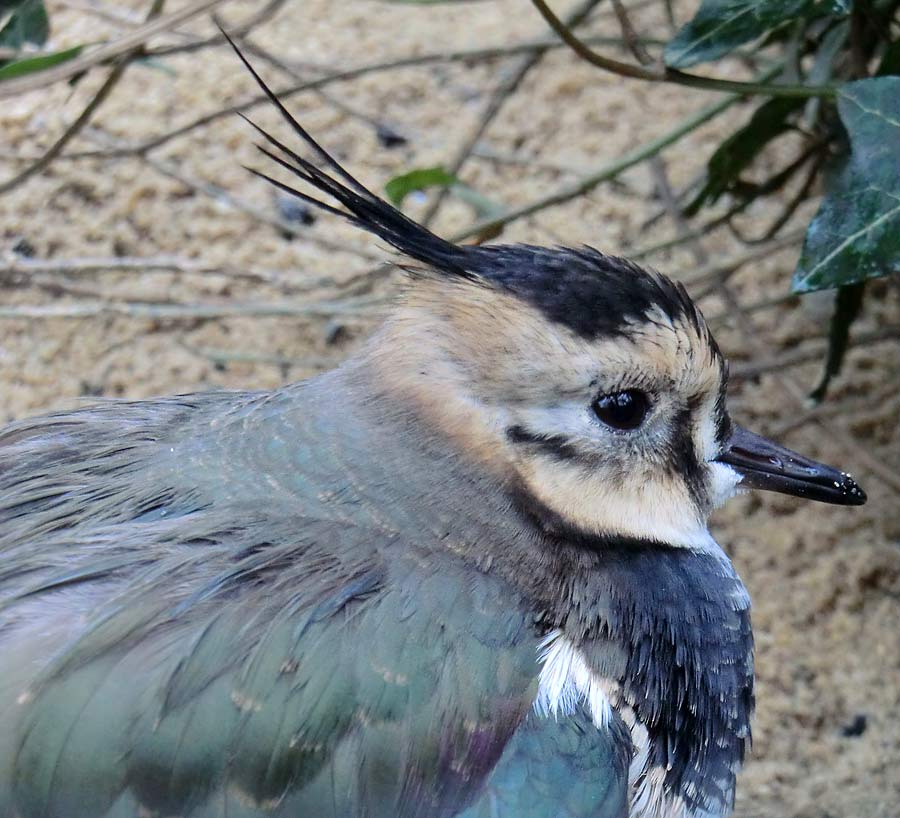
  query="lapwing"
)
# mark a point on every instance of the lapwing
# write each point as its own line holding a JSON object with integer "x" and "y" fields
{"x": 466, "y": 573}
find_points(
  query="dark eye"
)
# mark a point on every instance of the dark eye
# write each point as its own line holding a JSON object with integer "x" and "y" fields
{"x": 622, "y": 410}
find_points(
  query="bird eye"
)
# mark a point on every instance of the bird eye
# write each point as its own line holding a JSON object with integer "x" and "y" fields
{"x": 622, "y": 410}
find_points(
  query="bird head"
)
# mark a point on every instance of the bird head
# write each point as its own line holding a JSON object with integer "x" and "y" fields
{"x": 595, "y": 384}
{"x": 592, "y": 385}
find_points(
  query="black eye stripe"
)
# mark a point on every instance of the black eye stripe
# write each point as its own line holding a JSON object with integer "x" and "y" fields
{"x": 555, "y": 445}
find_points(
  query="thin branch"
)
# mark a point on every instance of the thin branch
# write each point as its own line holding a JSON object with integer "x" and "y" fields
{"x": 335, "y": 102}
{"x": 771, "y": 185}
{"x": 219, "y": 194}
{"x": 848, "y": 407}
{"x": 462, "y": 55}
{"x": 85, "y": 116}
{"x": 728, "y": 317}
{"x": 809, "y": 353}
{"x": 658, "y": 167}
{"x": 23, "y": 268}
{"x": 197, "y": 312}
{"x": 70, "y": 68}
{"x": 715, "y": 274}
{"x": 489, "y": 153}
{"x": 630, "y": 36}
{"x": 603, "y": 174}
{"x": 236, "y": 31}
{"x": 71, "y": 132}
{"x": 790, "y": 208}
{"x": 664, "y": 74}
{"x": 507, "y": 86}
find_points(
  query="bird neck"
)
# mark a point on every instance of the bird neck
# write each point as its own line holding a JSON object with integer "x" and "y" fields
{"x": 665, "y": 635}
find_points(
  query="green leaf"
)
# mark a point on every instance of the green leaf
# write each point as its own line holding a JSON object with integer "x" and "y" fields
{"x": 847, "y": 307}
{"x": 856, "y": 233}
{"x": 722, "y": 25}
{"x": 28, "y": 23}
{"x": 400, "y": 187}
{"x": 30, "y": 64}
{"x": 735, "y": 154}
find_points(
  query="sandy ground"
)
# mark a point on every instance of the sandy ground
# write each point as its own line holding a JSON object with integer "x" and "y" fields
{"x": 825, "y": 580}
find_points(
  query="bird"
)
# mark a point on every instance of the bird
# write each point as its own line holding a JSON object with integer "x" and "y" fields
{"x": 466, "y": 573}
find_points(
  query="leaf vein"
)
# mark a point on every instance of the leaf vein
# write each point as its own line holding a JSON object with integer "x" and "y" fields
{"x": 872, "y": 111}
{"x": 853, "y": 237}
{"x": 712, "y": 32}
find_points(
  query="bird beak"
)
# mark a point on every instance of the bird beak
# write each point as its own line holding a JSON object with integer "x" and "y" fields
{"x": 763, "y": 464}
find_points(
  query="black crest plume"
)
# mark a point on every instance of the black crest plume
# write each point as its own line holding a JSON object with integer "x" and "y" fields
{"x": 589, "y": 292}
{"x": 361, "y": 207}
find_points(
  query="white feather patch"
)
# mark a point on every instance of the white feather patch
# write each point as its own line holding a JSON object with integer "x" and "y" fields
{"x": 566, "y": 681}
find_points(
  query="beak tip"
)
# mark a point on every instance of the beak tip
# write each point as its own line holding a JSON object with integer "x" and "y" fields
{"x": 851, "y": 490}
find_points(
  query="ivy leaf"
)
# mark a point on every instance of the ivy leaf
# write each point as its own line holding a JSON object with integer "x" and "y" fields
{"x": 29, "y": 64}
{"x": 722, "y": 25}
{"x": 28, "y": 23}
{"x": 733, "y": 156}
{"x": 856, "y": 233}
{"x": 400, "y": 187}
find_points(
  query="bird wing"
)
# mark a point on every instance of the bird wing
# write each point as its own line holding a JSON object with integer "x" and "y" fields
{"x": 338, "y": 688}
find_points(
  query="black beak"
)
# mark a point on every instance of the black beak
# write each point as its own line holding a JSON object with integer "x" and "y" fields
{"x": 766, "y": 465}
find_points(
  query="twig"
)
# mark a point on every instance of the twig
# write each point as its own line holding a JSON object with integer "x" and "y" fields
{"x": 501, "y": 93}
{"x": 807, "y": 354}
{"x": 720, "y": 318}
{"x": 197, "y": 312}
{"x": 25, "y": 267}
{"x": 658, "y": 167}
{"x": 84, "y": 117}
{"x": 769, "y": 186}
{"x": 54, "y": 284}
{"x": 219, "y": 194}
{"x": 80, "y": 121}
{"x": 603, "y": 174}
{"x": 324, "y": 95}
{"x": 112, "y": 15}
{"x": 789, "y": 209}
{"x": 123, "y": 45}
{"x": 718, "y": 272}
{"x": 630, "y": 36}
{"x": 463, "y": 55}
{"x": 664, "y": 74}
{"x": 834, "y": 408}
{"x": 680, "y": 197}
{"x": 236, "y": 31}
